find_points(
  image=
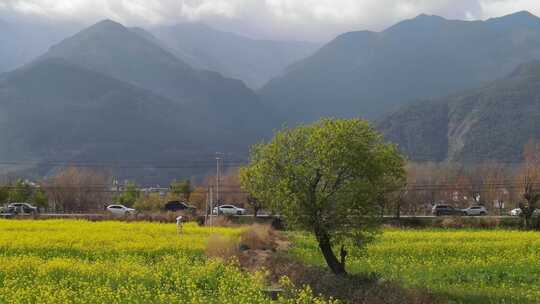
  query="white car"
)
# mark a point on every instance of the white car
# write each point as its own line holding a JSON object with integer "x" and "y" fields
{"x": 517, "y": 212}
{"x": 22, "y": 208}
{"x": 476, "y": 210}
{"x": 120, "y": 210}
{"x": 229, "y": 210}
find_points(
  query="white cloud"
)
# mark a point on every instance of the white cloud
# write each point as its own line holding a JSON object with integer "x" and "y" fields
{"x": 222, "y": 8}
{"x": 501, "y": 7}
{"x": 295, "y": 19}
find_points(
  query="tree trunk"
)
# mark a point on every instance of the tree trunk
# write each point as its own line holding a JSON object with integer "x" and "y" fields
{"x": 333, "y": 263}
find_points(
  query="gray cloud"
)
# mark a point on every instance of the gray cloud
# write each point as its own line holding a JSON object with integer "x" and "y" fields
{"x": 277, "y": 19}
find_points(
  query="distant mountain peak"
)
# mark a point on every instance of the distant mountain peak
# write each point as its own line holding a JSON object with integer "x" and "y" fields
{"x": 107, "y": 24}
{"x": 520, "y": 18}
{"x": 521, "y": 14}
{"x": 528, "y": 69}
{"x": 367, "y": 75}
{"x": 421, "y": 20}
{"x": 428, "y": 17}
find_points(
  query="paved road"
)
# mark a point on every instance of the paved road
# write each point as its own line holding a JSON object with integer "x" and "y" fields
{"x": 432, "y": 216}
{"x": 101, "y": 215}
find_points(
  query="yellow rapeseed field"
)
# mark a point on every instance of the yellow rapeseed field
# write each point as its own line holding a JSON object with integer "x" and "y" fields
{"x": 466, "y": 266}
{"x": 63, "y": 261}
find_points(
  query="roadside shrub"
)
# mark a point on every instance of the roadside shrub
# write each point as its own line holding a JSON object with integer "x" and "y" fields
{"x": 470, "y": 222}
{"x": 452, "y": 222}
{"x": 220, "y": 221}
{"x": 257, "y": 237}
{"x": 150, "y": 202}
{"x": 488, "y": 222}
{"x": 220, "y": 246}
{"x": 163, "y": 217}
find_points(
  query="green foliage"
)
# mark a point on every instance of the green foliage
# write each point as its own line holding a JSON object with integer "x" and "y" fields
{"x": 20, "y": 192}
{"x": 4, "y": 195}
{"x": 129, "y": 196}
{"x": 181, "y": 189}
{"x": 39, "y": 198}
{"x": 23, "y": 192}
{"x": 326, "y": 177}
{"x": 149, "y": 202}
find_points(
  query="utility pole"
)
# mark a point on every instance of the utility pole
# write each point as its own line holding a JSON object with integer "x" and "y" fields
{"x": 206, "y": 206}
{"x": 211, "y": 206}
{"x": 218, "y": 177}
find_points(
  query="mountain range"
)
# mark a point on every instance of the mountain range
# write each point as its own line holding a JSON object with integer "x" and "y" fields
{"x": 107, "y": 93}
{"x": 20, "y": 43}
{"x": 114, "y": 93}
{"x": 367, "y": 74}
{"x": 251, "y": 60}
{"x": 491, "y": 123}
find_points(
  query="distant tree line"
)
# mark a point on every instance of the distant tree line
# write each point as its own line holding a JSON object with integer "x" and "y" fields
{"x": 498, "y": 186}
{"x": 23, "y": 191}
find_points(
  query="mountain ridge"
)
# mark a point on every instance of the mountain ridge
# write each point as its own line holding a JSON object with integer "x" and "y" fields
{"x": 106, "y": 93}
{"x": 367, "y": 73}
{"x": 253, "y": 61}
{"x": 491, "y": 123}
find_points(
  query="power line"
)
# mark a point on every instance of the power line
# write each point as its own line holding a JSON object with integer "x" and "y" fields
{"x": 129, "y": 165}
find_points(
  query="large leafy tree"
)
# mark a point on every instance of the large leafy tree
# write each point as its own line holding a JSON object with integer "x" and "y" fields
{"x": 326, "y": 178}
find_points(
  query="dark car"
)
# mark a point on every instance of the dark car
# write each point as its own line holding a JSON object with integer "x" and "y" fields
{"x": 441, "y": 209}
{"x": 178, "y": 206}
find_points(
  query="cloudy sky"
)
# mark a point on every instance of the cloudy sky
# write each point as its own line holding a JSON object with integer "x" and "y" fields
{"x": 275, "y": 19}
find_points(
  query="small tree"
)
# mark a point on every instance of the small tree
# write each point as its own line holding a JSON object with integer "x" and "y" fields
{"x": 532, "y": 199}
{"x": 20, "y": 192}
{"x": 39, "y": 198}
{"x": 4, "y": 195}
{"x": 149, "y": 202}
{"x": 129, "y": 196}
{"x": 181, "y": 190}
{"x": 326, "y": 178}
{"x": 199, "y": 198}
{"x": 530, "y": 177}
{"x": 493, "y": 176}
{"x": 78, "y": 189}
